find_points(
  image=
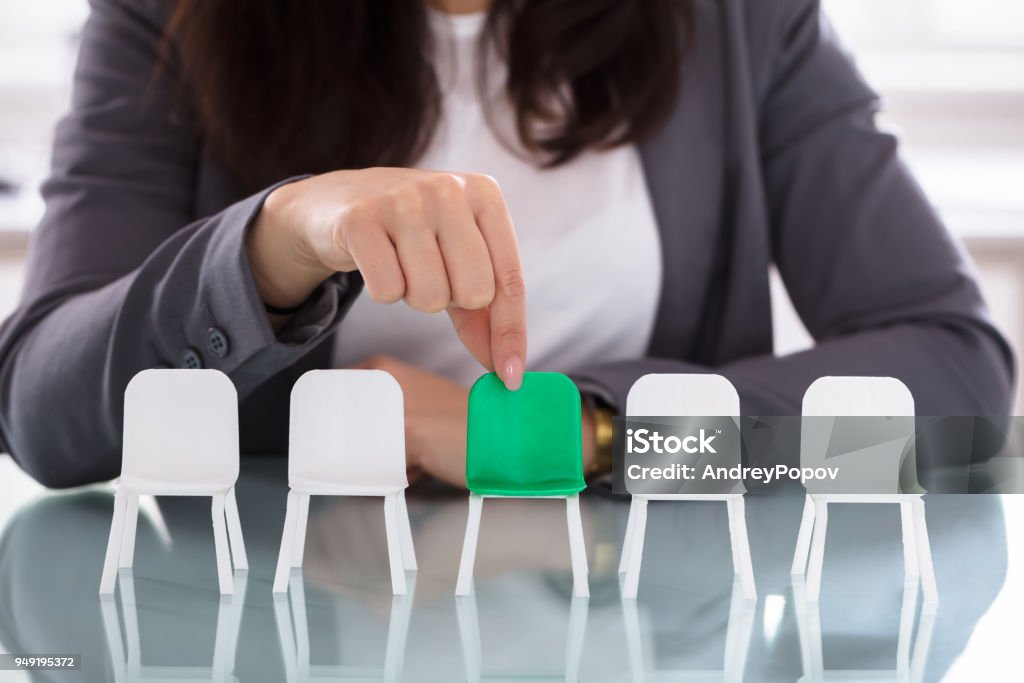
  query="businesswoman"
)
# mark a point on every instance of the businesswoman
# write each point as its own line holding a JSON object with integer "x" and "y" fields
{"x": 267, "y": 187}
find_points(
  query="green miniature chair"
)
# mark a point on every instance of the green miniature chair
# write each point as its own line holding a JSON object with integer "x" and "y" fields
{"x": 525, "y": 444}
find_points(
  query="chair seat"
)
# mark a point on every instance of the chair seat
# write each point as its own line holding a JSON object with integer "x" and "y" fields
{"x": 555, "y": 487}
{"x": 318, "y": 487}
{"x": 154, "y": 487}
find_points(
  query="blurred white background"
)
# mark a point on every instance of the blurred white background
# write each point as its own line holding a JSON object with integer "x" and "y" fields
{"x": 951, "y": 72}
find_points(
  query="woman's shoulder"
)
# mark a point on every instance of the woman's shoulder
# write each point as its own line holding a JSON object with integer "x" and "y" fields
{"x": 761, "y": 27}
{"x": 759, "y": 39}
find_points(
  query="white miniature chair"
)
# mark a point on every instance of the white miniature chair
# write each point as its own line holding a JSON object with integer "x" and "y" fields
{"x": 683, "y": 395}
{"x": 126, "y": 654}
{"x": 826, "y": 399}
{"x": 347, "y": 438}
{"x": 293, "y": 634}
{"x": 180, "y": 439}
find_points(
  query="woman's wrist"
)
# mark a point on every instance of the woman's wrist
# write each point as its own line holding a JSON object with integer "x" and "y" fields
{"x": 283, "y": 265}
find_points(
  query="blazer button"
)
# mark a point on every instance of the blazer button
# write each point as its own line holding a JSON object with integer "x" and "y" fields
{"x": 217, "y": 342}
{"x": 191, "y": 360}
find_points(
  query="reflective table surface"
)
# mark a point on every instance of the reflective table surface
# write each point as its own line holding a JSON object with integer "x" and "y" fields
{"x": 339, "y": 621}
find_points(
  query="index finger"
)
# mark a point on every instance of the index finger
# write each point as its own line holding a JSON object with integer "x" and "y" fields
{"x": 507, "y": 311}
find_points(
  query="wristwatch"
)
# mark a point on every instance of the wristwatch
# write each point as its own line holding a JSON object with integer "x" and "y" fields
{"x": 603, "y": 436}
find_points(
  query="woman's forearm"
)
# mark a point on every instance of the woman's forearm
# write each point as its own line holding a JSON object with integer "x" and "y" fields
{"x": 66, "y": 358}
{"x": 952, "y": 365}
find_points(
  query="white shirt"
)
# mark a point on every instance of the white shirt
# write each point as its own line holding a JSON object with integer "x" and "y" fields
{"x": 588, "y": 240}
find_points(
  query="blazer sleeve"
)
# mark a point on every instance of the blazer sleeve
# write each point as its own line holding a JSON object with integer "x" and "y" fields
{"x": 122, "y": 275}
{"x": 874, "y": 275}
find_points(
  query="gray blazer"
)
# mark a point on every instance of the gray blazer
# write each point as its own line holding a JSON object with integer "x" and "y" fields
{"x": 771, "y": 156}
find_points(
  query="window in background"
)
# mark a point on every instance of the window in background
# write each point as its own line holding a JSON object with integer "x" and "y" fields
{"x": 931, "y": 24}
{"x": 37, "y": 50}
{"x": 951, "y": 73}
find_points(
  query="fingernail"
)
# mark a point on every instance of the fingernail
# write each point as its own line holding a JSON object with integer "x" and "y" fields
{"x": 513, "y": 373}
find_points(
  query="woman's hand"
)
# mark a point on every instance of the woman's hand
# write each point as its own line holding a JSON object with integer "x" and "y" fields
{"x": 435, "y": 421}
{"x": 437, "y": 240}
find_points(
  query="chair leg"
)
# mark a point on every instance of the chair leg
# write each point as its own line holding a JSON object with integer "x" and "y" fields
{"x": 924, "y": 555}
{"x": 465, "y": 581}
{"x": 394, "y": 533}
{"x": 636, "y": 551}
{"x": 731, "y": 515}
{"x": 741, "y": 546}
{"x": 287, "y": 538}
{"x": 630, "y": 521}
{"x": 817, "y": 558}
{"x": 408, "y": 549}
{"x": 109, "y": 576}
{"x": 131, "y": 521}
{"x": 803, "y": 538}
{"x": 577, "y": 547}
{"x": 910, "y": 566}
{"x": 299, "y": 539}
{"x": 220, "y": 544}
{"x": 238, "y": 555}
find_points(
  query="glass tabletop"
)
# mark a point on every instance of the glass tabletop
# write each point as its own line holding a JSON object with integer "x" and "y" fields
{"x": 339, "y": 620}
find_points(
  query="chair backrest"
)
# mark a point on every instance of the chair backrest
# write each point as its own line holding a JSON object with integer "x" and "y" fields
{"x": 181, "y": 427}
{"x": 524, "y": 442}
{"x": 683, "y": 395}
{"x": 347, "y": 427}
{"x": 871, "y": 451}
{"x": 858, "y": 396}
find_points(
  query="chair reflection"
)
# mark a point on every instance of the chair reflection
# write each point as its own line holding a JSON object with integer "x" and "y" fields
{"x": 293, "y": 634}
{"x": 910, "y": 664}
{"x": 472, "y": 651}
{"x": 126, "y": 654}
{"x": 737, "y": 644}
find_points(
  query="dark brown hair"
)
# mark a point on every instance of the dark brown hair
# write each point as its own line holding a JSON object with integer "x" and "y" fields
{"x": 280, "y": 87}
